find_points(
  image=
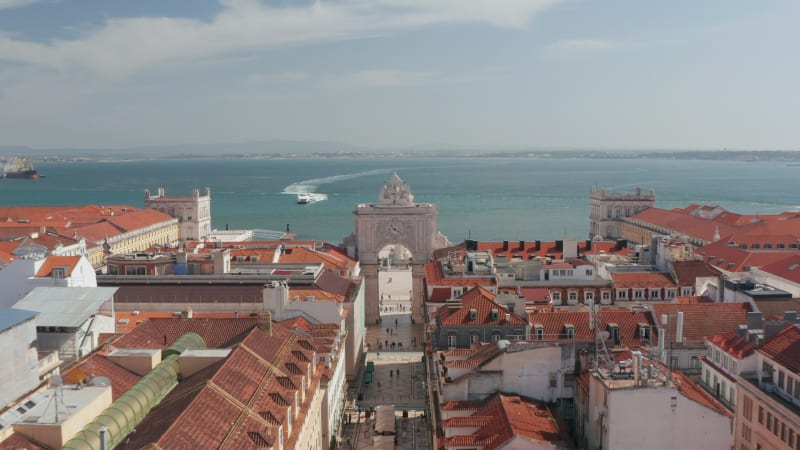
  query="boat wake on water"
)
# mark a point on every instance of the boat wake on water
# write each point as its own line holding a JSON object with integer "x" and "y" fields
{"x": 306, "y": 190}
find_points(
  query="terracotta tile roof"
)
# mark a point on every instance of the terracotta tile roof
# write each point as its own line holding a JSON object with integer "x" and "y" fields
{"x": 784, "y": 348}
{"x": 477, "y": 356}
{"x": 161, "y": 333}
{"x": 139, "y": 219}
{"x": 440, "y": 294}
{"x": 135, "y": 320}
{"x": 550, "y": 248}
{"x": 734, "y": 259}
{"x": 703, "y": 319}
{"x": 52, "y": 262}
{"x": 97, "y": 365}
{"x": 482, "y": 301}
{"x": 733, "y": 344}
{"x": 98, "y": 232}
{"x": 435, "y": 277}
{"x": 301, "y": 294}
{"x": 686, "y": 272}
{"x": 642, "y": 280}
{"x": 502, "y": 417}
{"x": 238, "y": 402}
{"x": 554, "y": 324}
{"x": 17, "y": 441}
{"x": 788, "y": 268}
{"x": 332, "y": 260}
{"x": 678, "y": 221}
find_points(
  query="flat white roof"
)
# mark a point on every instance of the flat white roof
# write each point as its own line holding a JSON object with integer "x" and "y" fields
{"x": 65, "y": 306}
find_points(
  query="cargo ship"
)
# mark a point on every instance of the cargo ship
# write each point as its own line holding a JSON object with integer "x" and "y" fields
{"x": 20, "y": 168}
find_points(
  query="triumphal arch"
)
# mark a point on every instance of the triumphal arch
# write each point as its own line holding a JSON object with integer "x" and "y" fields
{"x": 395, "y": 219}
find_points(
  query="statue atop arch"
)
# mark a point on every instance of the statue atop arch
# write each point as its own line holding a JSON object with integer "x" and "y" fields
{"x": 396, "y": 192}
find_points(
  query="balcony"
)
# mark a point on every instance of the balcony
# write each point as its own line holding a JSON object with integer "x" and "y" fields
{"x": 713, "y": 392}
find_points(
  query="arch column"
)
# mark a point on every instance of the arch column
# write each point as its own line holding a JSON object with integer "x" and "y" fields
{"x": 417, "y": 292}
{"x": 371, "y": 312}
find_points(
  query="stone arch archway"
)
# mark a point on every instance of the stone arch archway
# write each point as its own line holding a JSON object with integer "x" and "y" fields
{"x": 395, "y": 219}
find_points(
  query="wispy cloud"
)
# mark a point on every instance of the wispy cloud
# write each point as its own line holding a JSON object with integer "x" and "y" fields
{"x": 577, "y": 47}
{"x": 8, "y": 4}
{"x": 122, "y": 46}
{"x": 281, "y": 77}
{"x": 387, "y": 78}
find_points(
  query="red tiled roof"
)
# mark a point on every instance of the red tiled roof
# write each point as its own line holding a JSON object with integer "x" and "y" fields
{"x": 678, "y": 221}
{"x": 686, "y": 272}
{"x": 236, "y": 403}
{"x": 435, "y": 277}
{"x": 52, "y": 262}
{"x": 97, "y": 365}
{"x": 161, "y": 333}
{"x": 482, "y": 301}
{"x": 627, "y": 321}
{"x": 139, "y": 219}
{"x": 788, "y": 268}
{"x": 733, "y": 344}
{"x": 703, "y": 319}
{"x": 784, "y": 348}
{"x": 17, "y": 441}
{"x": 477, "y": 356}
{"x": 734, "y": 259}
{"x": 440, "y": 294}
{"x": 502, "y": 417}
{"x": 641, "y": 280}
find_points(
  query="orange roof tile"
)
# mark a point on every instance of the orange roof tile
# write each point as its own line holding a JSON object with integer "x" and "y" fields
{"x": 733, "y": 344}
{"x": 501, "y": 417}
{"x": 482, "y": 301}
{"x": 692, "y": 391}
{"x": 97, "y": 365}
{"x": 784, "y": 348}
{"x": 686, "y": 272}
{"x": 553, "y": 324}
{"x": 734, "y": 259}
{"x": 703, "y": 319}
{"x": 478, "y": 355}
{"x": 53, "y": 262}
{"x": 787, "y": 268}
{"x": 642, "y": 280}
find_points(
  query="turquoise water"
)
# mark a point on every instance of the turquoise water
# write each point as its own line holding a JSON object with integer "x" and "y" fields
{"x": 486, "y": 199}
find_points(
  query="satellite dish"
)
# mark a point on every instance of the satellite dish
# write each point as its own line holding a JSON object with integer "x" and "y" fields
{"x": 605, "y": 335}
{"x": 101, "y": 381}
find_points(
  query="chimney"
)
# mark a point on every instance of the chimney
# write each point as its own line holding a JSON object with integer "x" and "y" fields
{"x": 588, "y": 244}
{"x": 522, "y": 245}
{"x": 559, "y": 245}
{"x": 505, "y": 246}
{"x": 637, "y": 361}
{"x": 264, "y": 321}
{"x": 679, "y": 328}
{"x": 754, "y": 320}
{"x": 187, "y": 313}
{"x": 537, "y": 245}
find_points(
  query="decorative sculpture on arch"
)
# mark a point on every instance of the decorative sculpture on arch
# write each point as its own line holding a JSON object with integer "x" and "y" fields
{"x": 396, "y": 192}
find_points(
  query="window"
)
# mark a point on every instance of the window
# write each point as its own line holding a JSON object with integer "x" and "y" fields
{"x": 768, "y": 245}
{"x": 725, "y": 361}
{"x": 473, "y": 338}
{"x": 556, "y": 296}
{"x": 135, "y": 270}
{"x": 732, "y": 395}
{"x": 569, "y": 331}
{"x": 791, "y": 437}
{"x": 747, "y": 408}
{"x": 669, "y": 293}
{"x": 622, "y": 294}
{"x": 495, "y": 336}
{"x": 588, "y": 297}
{"x": 776, "y": 426}
{"x": 755, "y": 246}
{"x": 539, "y": 331}
{"x": 761, "y": 415}
{"x": 716, "y": 356}
{"x": 452, "y": 340}
{"x": 58, "y": 272}
{"x": 769, "y": 420}
{"x": 113, "y": 269}
{"x": 605, "y": 295}
{"x": 655, "y": 294}
{"x": 781, "y": 379}
{"x": 797, "y": 389}
{"x": 638, "y": 294}
{"x": 734, "y": 366}
{"x": 746, "y": 434}
{"x": 573, "y": 296}
{"x": 709, "y": 350}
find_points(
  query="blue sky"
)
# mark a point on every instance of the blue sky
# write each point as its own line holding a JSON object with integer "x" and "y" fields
{"x": 394, "y": 74}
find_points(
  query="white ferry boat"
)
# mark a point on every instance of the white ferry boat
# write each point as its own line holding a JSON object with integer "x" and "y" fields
{"x": 304, "y": 199}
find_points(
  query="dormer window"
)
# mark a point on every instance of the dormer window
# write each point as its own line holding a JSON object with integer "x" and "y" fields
{"x": 495, "y": 314}
{"x": 613, "y": 330}
{"x": 538, "y": 332}
{"x": 58, "y": 272}
{"x": 569, "y": 331}
{"x": 644, "y": 331}
{"x": 473, "y": 314}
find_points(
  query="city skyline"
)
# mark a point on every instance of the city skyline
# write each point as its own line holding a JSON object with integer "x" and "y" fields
{"x": 387, "y": 74}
